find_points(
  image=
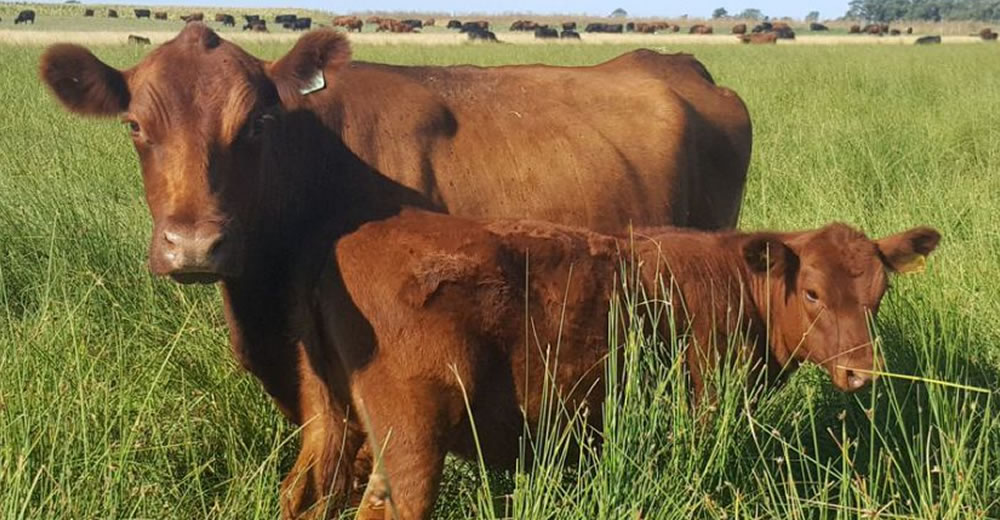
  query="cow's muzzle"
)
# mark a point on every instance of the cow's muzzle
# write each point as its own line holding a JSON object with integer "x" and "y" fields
{"x": 193, "y": 254}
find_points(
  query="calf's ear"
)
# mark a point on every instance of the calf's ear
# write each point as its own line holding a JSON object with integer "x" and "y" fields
{"x": 311, "y": 64}
{"x": 764, "y": 252}
{"x": 906, "y": 252}
{"x": 83, "y": 83}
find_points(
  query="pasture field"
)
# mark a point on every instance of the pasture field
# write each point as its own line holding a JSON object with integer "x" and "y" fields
{"x": 119, "y": 397}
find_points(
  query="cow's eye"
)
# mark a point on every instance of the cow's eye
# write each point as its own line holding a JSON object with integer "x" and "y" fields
{"x": 133, "y": 126}
{"x": 811, "y": 296}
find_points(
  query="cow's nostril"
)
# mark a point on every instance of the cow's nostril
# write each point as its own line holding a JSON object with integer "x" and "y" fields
{"x": 857, "y": 380}
{"x": 171, "y": 238}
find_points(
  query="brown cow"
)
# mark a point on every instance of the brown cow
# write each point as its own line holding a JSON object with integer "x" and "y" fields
{"x": 760, "y": 38}
{"x": 193, "y": 17}
{"x": 351, "y": 23}
{"x": 855, "y": 29}
{"x": 700, "y": 29}
{"x": 987, "y": 34}
{"x": 160, "y": 15}
{"x": 421, "y": 311}
{"x": 429, "y": 22}
{"x": 740, "y": 28}
{"x": 310, "y": 122}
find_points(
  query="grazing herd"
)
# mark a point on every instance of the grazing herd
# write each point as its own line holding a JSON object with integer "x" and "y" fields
{"x": 767, "y": 32}
{"x": 377, "y": 273}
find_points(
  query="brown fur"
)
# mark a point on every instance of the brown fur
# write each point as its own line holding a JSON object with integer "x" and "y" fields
{"x": 740, "y": 28}
{"x": 760, "y": 38}
{"x": 270, "y": 177}
{"x": 421, "y": 309}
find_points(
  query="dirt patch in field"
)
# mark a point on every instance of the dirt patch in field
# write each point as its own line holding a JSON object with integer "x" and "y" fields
{"x": 22, "y": 37}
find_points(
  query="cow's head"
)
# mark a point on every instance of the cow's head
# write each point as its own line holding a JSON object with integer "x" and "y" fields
{"x": 199, "y": 111}
{"x": 821, "y": 287}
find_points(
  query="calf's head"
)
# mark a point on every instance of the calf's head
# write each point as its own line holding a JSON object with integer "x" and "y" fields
{"x": 820, "y": 288}
{"x": 199, "y": 111}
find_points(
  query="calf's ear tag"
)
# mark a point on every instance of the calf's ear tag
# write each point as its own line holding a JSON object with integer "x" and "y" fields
{"x": 318, "y": 82}
{"x": 912, "y": 264}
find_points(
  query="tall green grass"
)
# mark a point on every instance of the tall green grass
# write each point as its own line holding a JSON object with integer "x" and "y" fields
{"x": 119, "y": 398}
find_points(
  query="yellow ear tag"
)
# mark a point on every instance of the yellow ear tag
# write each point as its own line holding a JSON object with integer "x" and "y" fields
{"x": 912, "y": 264}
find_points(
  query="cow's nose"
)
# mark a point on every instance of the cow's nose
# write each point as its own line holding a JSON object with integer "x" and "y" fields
{"x": 858, "y": 379}
{"x": 191, "y": 251}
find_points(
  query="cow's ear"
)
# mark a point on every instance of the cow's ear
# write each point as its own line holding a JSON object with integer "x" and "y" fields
{"x": 311, "y": 64}
{"x": 83, "y": 83}
{"x": 765, "y": 252}
{"x": 906, "y": 252}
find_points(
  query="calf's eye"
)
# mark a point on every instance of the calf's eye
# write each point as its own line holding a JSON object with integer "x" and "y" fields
{"x": 811, "y": 296}
{"x": 133, "y": 126}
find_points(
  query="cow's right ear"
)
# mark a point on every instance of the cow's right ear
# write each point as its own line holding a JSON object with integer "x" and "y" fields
{"x": 83, "y": 83}
{"x": 311, "y": 65}
{"x": 765, "y": 252}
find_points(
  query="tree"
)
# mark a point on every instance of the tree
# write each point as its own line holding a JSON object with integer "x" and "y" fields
{"x": 813, "y": 16}
{"x": 720, "y": 13}
{"x": 619, "y": 13}
{"x": 751, "y": 14}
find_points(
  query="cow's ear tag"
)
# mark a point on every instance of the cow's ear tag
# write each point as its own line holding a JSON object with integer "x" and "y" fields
{"x": 912, "y": 264}
{"x": 318, "y": 82}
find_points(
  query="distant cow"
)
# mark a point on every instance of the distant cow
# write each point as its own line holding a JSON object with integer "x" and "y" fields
{"x": 818, "y": 27}
{"x": 429, "y": 22}
{"x": 546, "y": 32}
{"x": 477, "y": 33}
{"x": 523, "y": 25}
{"x": 257, "y": 25}
{"x": 112, "y": 13}
{"x": 301, "y": 24}
{"x": 351, "y": 23}
{"x": 228, "y": 20}
{"x": 604, "y": 28}
{"x": 875, "y": 28}
{"x": 250, "y": 18}
{"x": 569, "y": 35}
{"x": 219, "y": 17}
{"x": 784, "y": 33}
{"x": 569, "y": 26}
{"x": 454, "y": 24}
{"x": 928, "y": 40}
{"x": 138, "y": 40}
{"x": 88, "y": 12}
{"x": 909, "y": 30}
{"x": 25, "y": 16}
{"x": 760, "y": 38}
{"x": 160, "y": 15}
{"x": 855, "y": 29}
{"x": 700, "y": 29}
{"x": 373, "y": 20}
{"x": 284, "y": 18}
{"x": 763, "y": 27}
{"x": 987, "y": 34}
{"x": 895, "y": 32}
{"x": 740, "y": 28}
{"x": 193, "y": 17}
{"x": 413, "y": 23}
{"x": 142, "y": 13}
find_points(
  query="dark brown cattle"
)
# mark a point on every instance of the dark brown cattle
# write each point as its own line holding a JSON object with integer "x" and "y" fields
{"x": 523, "y": 25}
{"x": 569, "y": 26}
{"x": 435, "y": 306}
{"x": 160, "y": 15}
{"x": 429, "y": 22}
{"x": 474, "y": 141}
{"x": 25, "y": 16}
{"x": 569, "y": 35}
{"x": 740, "y": 28}
{"x": 373, "y": 20}
{"x": 760, "y": 38}
{"x": 228, "y": 20}
{"x": 219, "y": 17}
{"x": 818, "y": 27}
{"x": 193, "y": 17}
{"x": 700, "y": 29}
{"x": 928, "y": 40}
{"x": 112, "y": 13}
{"x": 895, "y": 32}
{"x": 987, "y": 34}
{"x": 454, "y": 24}
{"x": 138, "y": 40}
{"x": 142, "y": 13}
{"x": 909, "y": 30}
{"x": 88, "y": 12}
{"x": 855, "y": 29}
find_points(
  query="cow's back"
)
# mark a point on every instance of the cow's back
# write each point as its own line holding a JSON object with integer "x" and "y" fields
{"x": 645, "y": 138}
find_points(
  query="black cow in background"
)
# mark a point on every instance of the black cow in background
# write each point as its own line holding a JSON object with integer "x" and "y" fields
{"x": 25, "y": 16}
{"x": 142, "y": 13}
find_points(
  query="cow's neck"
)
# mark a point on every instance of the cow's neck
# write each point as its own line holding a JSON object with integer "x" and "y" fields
{"x": 767, "y": 293}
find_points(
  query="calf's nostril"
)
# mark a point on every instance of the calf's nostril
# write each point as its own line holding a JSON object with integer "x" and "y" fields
{"x": 171, "y": 238}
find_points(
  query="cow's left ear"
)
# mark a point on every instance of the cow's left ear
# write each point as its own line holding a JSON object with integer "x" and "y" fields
{"x": 311, "y": 64}
{"x": 905, "y": 252}
{"x": 766, "y": 252}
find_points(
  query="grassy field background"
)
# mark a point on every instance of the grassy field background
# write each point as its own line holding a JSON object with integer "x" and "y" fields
{"x": 119, "y": 397}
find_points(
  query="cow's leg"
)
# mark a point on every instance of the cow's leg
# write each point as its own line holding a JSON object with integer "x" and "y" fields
{"x": 409, "y": 452}
{"x": 320, "y": 483}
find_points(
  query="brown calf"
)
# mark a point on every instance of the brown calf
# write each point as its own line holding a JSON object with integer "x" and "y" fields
{"x": 420, "y": 311}
{"x": 760, "y": 38}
